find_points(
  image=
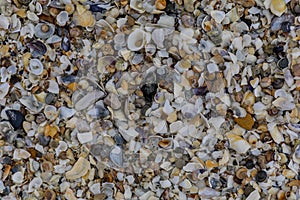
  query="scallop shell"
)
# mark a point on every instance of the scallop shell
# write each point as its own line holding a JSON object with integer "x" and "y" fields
{"x": 36, "y": 67}
{"x": 278, "y": 7}
{"x": 44, "y": 30}
{"x": 4, "y": 87}
{"x": 158, "y": 38}
{"x": 62, "y": 18}
{"x": 137, "y": 5}
{"x": 137, "y": 40}
{"x": 80, "y": 168}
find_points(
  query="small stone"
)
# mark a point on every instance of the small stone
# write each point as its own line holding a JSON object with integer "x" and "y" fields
{"x": 95, "y": 188}
{"x": 18, "y": 177}
{"x": 245, "y": 122}
{"x": 15, "y": 118}
{"x": 113, "y": 101}
{"x": 149, "y": 90}
{"x": 85, "y": 137}
{"x": 50, "y": 98}
{"x": 261, "y": 176}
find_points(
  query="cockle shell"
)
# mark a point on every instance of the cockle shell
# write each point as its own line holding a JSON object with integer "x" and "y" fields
{"x": 36, "y": 67}
{"x": 44, "y": 30}
{"x": 137, "y": 39}
{"x": 80, "y": 168}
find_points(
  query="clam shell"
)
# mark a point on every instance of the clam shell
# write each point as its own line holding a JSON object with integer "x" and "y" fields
{"x": 80, "y": 168}
{"x": 278, "y": 7}
{"x": 44, "y": 30}
{"x": 36, "y": 67}
{"x": 137, "y": 5}
{"x": 137, "y": 40}
{"x": 62, "y": 18}
{"x": 158, "y": 38}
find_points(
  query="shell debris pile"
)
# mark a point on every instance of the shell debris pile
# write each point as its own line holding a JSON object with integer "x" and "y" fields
{"x": 155, "y": 99}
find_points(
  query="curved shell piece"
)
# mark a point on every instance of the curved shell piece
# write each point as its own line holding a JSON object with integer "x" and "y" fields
{"x": 50, "y": 112}
{"x": 136, "y": 40}
{"x": 62, "y": 18}
{"x": 296, "y": 154}
{"x": 137, "y": 5}
{"x": 44, "y": 30}
{"x": 80, "y": 168}
{"x": 105, "y": 61}
{"x": 238, "y": 143}
{"x": 4, "y": 87}
{"x": 278, "y": 7}
{"x": 158, "y": 38}
{"x": 35, "y": 67}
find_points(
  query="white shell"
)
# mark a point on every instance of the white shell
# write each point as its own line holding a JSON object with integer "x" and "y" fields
{"x": 4, "y": 87}
{"x": 253, "y": 195}
{"x": 137, "y": 40}
{"x": 53, "y": 87}
{"x": 161, "y": 127}
{"x": 275, "y": 133}
{"x": 36, "y": 67}
{"x": 296, "y": 154}
{"x": 217, "y": 15}
{"x": 65, "y": 113}
{"x": 238, "y": 143}
{"x": 62, "y": 18}
{"x": 137, "y": 5}
{"x": 158, "y": 38}
{"x": 50, "y": 112}
{"x": 4, "y": 22}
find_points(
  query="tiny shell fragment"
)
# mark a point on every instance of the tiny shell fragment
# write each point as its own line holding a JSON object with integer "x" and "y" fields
{"x": 80, "y": 168}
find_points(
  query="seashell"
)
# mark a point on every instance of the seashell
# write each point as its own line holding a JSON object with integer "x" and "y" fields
{"x": 137, "y": 5}
{"x": 53, "y": 39}
{"x": 53, "y": 87}
{"x": 296, "y": 154}
{"x": 44, "y": 30}
{"x": 225, "y": 158}
{"x": 65, "y": 113}
{"x": 4, "y": 88}
{"x": 31, "y": 103}
{"x": 119, "y": 39}
{"x": 275, "y": 133}
{"x": 37, "y": 48}
{"x": 65, "y": 44}
{"x": 50, "y": 112}
{"x": 35, "y": 184}
{"x": 84, "y": 19}
{"x": 80, "y": 168}
{"x": 105, "y": 61}
{"x": 158, "y": 38}
{"x": 283, "y": 104}
{"x": 137, "y": 40}
{"x": 15, "y": 118}
{"x": 217, "y": 15}
{"x": 18, "y": 177}
{"x": 116, "y": 156}
{"x": 189, "y": 5}
{"x": 104, "y": 24}
{"x": 88, "y": 100}
{"x": 85, "y": 137}
{"x": 36, "y": 67}
{"x": 238, "y": 143}
{"x": 160, "y": 4}
{"x": 166, "y": 21}
{"x": 253, "y": 195}
{"x": 278, "y": 7}
{"x": 187, "y": 20}
{"x": 208, "y": 193}
{"x": 20, "y": 154}
{"x": 4, "y": 22}
{"x": 277, "y": 21}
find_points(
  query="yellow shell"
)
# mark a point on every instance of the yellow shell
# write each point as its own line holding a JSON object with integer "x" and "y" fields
{"x": 278, "y": 7}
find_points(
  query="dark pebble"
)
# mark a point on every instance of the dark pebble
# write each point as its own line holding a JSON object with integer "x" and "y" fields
{"x": 286, "y": 27}
{"x": 248, "y": 189}
{"x": 278, "y": 49}
{"x": 43, "y": 140}
{"x": 119, "y": 139}
{"x": 200, "y": 91}
{"x": 96, "y": 149}
{"x": 249, "y": 164}
{"x": 65, "y": 44}
{"x": 283, "y": 63}
{"x": 261, "y": 176}
{"x": 149, "y": 91}
{"x": 15, "y": 118}
{"x": 50, "y": 97}
{"x": 16, "y": 168}
{"x": 6, "y": 161}
{"x": 103, "y": 111}
{"x": 97, "y": 8}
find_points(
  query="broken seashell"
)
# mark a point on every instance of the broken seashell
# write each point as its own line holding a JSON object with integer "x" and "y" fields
{"x": 137, "y": 5}
{"x": 278, "y": 7}
{"x": 238, "y": 143}
{"x": 44, "y": 30}
{"x": 158, "y": 37}
{"x": 217, "y": 15}
{"x": 137, "y": 39}
{"x": 36, "y": 67}
{"x": 4, "y": 87}
{"x": 116, "y": 156}
{"x": 88, "y": 100}
{"x": 80, "y": 168}
{"x": 62, "y": 18}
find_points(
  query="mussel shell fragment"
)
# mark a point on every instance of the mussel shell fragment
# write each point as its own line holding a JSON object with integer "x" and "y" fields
{"x": 37, "y": 48}
{"x": 15, "y": 118}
